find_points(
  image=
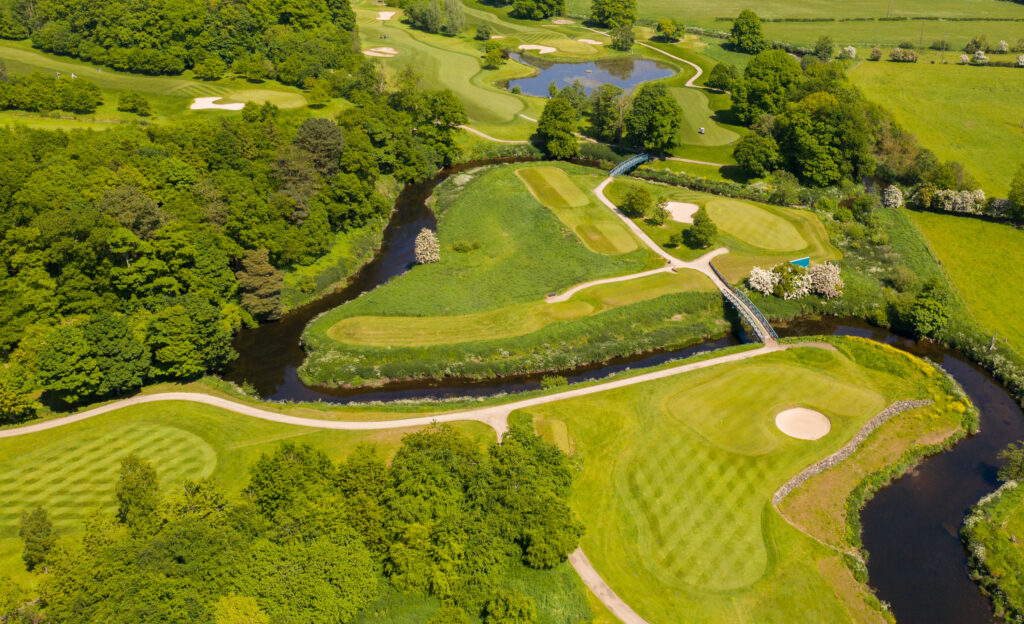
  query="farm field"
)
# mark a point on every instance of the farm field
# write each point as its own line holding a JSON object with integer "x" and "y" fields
{"x": 755, "y": 234}
{"x": 506, "y": 260}
{"x": 938, "y": 103}
{"x": 678, "y": 475}
{"x": 982, "y": 259}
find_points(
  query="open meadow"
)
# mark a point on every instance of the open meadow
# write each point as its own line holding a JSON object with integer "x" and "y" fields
{"x": 678, "y": 477}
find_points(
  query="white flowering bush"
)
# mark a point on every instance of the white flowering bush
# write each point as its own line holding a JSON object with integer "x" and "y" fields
{"x": 1003, "y": 47}
{"x": 964, "y": 59}
{"x": 980, "y": 58}
{"x": 824, "y": 280}
{"x": 892, "y": 197}
{"x": 1020, "y": 61}
{"x": 427, "y": 247}
{"x": 967, "y": 202}
{"x": 849, "y": 52}
{"x": 763, "y": 281}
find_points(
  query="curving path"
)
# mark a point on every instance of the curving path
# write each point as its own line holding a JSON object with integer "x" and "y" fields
{"x": 488, "y": 137}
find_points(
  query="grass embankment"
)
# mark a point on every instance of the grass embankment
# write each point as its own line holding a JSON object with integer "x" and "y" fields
{"x": 964, "y": 113}
{"x": 755, "y": 234}
{"x": 481, "y": 312}
{"x": 994, "y": 536}
{"x": 678, "y": 475}
{"x": 169, "y": 96}
{"x": 983, "y": 261}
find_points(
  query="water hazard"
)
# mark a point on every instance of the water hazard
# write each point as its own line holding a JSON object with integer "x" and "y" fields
{"x": 625, "y": 73}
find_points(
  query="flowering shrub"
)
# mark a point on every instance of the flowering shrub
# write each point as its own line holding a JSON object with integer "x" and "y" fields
{"x": 900, "y": 55}
{"x": 980, "y": 58}
{"x": 892, "y": 197}
{"x": 825, "y": 280}
{"x": 427, "y": 247}
{"x": 968, "y": 202}
{"x": 1003, "y": 47}
{"x": 849, "y": 52}
{"x": 762, "y": 281}
{"x": 791, "y": 281}
{"x": 1020, "y": 61}
{"x": 964, "y": 59}
{"x": 876, "y": 54}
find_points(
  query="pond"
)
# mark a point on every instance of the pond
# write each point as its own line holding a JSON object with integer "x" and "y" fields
{"x": 623, "y": 72}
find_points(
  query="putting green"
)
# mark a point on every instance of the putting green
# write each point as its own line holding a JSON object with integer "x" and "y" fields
{"x": 754, "y": 225}
{"x": 595, "y": 225}
{"x": 510, "y": 321}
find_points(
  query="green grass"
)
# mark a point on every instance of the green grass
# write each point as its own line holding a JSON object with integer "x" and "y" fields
{"x": 599, "y": 229}
{"x": 963, "y": 113}
{"x": 997, "y": 525}
{"x": 72, "y": 470}
{"x": 678, "y": 474}
{"x": 756, "y": 234}
{"x": 481, "y": 312}
{"x": 983, "y": 261}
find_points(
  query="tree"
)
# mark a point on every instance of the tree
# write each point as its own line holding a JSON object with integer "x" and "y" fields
{"x": 746, "y": 34}
{"x": 324, "y": 141}
{"x": 449, "y": 615}
{"x": 757, "y": 154}
{"x": 510, "y": 607}
{"x": 824, "y": 47}
{"x": 188, "y": 336}
{"x": 280, "y": 478}
{"x": 637, "y": 203}
{"x": 319, "y": 94}
{"x": 930, "y": 310}
{"x": 37, "y": 534}
{"x": 702, "y": 232}
{"x": 722, "y": 77}
{"x": 766, "y": 84}
{"x": 138, "y": 495}
{"x": 654, "y": 119}
{"x": 260, "y": 284}
{"x": 557, "y": 129}
{"x": 606, "y": 104}
{"x": 537, "y": 9}
{"x": 454, "y": 18}
{"x": 239, "y": 610}
{"x": 16, "y": 402}
{"x": 1016, "y": 196}
{"x": 483, "y": 32}
{"x": 669, "y": 29}
{"x": 613, "y": 13}
{"x": 622, "y": 38}
{"x": 1012, "y": 459}
{"x": 493, "y": 56}
{"x": 133, "y": 102}
{"x": 212, "y": 67}
{"x": 427, "y": 247}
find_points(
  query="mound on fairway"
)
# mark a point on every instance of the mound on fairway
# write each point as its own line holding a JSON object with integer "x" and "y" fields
{"x": 755, "y": 225}
{"x": 598, "y": 228}
{"x": 678, "y": 476}
{"x": 803, "y": 423}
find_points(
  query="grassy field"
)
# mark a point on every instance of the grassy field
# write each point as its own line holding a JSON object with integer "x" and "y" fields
{"x": 996, "y": 524}
{"x": 481, "y": 311}
{"x": 72, "y": 470}
{"x": 983, "y": 261}
{"x": 964, "y": 113}
{"x": 755, "y": 234}
{"x": 678, "y": 474}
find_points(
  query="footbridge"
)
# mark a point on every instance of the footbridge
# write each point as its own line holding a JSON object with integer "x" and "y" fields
{"x": 750, "y": 312}
{"x": 629, "y": 164}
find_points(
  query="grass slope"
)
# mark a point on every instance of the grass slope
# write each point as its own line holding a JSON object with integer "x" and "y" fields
{"x": 964, "y": 113}
{"x": 983, "y": 261}
{"x": 995, "y": 528}
{"x": 678, "y": 474}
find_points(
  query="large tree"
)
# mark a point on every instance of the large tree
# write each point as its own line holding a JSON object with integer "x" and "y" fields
{"x": 1016, "y": 196}
{"x": 138, "y": 495}
{"x": 606, "y": 106}
{"x": 757, "y": 154}
{"x": 766, "y": 84}
{"x": 613, "y": 13}
{"x": 37, "y": 535}
{"x": 654, "y": 119}
{"x": 746, "y": 34}
{"x": 260, "y": 284}
{"x": 557, "y": 129}
{"x": 538, "y": 9}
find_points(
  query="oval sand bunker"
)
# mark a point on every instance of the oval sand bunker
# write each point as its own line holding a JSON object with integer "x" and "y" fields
{"x": 803, "y": 423}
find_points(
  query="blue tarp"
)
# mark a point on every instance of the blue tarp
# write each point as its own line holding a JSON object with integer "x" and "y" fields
{"x": 804, "y": 262}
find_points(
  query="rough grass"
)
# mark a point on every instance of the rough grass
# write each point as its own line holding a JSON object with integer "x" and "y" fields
{"x": 999, "y": 529}
{"x": 754, "y": 225}
{"x": 983, "y": 261}
{"x": 599, "y": 229}
{"x": 678, "y": 474}
{"x": 676, "y": 490}
{"x": 516, "y": 320}
{"x": 963, "y": 113}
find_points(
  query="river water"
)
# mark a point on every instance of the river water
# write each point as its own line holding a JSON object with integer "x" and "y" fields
{"x": 916, "y": 561}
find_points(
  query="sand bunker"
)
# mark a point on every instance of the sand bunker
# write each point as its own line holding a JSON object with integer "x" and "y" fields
{"x": 538, "y": 48}
{"x": 207, "y": 103}
{"x": 591, "y": 41}
{"x": 803, "y": 423}
{"x": 497, "y": 36}
{"x": 385, "y": 15}
{"x": 682, "y": 211}
{"x": 381, "y": 52}
{"x": 562, "y": 22}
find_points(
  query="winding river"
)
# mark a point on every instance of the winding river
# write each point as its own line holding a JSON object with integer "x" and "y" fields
{"x": 917, "y": 563}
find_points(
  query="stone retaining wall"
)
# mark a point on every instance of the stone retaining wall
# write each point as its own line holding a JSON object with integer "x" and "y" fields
{"x": 835, "y": 458}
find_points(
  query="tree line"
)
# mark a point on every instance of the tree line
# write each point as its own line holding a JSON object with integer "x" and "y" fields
{"x": 40, "y": 93}
{"x": 287, "y": 41}
{"x": 311, "y": 541}
{"x": 136, "y": 253}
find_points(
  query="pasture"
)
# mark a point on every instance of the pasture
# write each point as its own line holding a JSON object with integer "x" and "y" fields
{"x": 960, "y": 112}
{"x": 678, "y": 475}
{"x": 982, "y": 260}
{"x": 756, "y": 234}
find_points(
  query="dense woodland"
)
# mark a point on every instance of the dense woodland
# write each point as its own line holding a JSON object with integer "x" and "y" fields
{"x": 289, "y": 41}
{"x": 313, "y": 542}
{"x": 135, "y": 253}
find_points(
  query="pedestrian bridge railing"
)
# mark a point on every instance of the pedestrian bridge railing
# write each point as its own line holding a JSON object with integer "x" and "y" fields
{"x": 750, "y": 312}
{"x": 628, "y": 165}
